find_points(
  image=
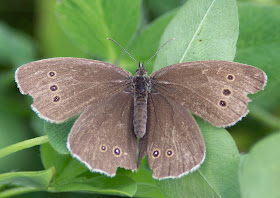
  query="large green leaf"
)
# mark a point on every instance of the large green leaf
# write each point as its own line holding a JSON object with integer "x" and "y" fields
{"x": 52, "y": 40}
{"x": 89, "y": 23}
{"x": 160, "y": 7}
{"x": 203, "y": 30}
{"x": 72, "y": 175}
{"x": 146, "y": 185}
{"x": 58, "y": 134}
{"x": 259, "y": 45}
{"x": 217, "y": 176}
{"x": 66, "y": 166}
{"x": 119, "y": 185}
{"x": 16, "y": 48}
{"x": 259, "y": 174}
{"x": 147, "y": 43}
{"x": 36, "y": 179}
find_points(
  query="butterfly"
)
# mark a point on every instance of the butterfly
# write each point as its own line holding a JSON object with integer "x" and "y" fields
{"x": 116, "y": 109}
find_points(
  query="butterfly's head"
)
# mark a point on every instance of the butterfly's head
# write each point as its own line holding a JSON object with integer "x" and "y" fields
{"x": 141, "y": 71}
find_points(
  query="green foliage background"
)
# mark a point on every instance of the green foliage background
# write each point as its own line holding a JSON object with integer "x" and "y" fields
{"x": 241, "y": 161}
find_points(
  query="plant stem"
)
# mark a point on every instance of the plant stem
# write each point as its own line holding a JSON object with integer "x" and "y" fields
{"x": 17, "y": 191}
{"x": 23, "y": 145}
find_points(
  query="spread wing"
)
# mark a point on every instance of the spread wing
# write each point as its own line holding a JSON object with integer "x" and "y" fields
{"x": 102, "y": 137}
{"x": 63, "y": 87}
{"x": 214, "y": 90}
{"x": 173, "y": 140}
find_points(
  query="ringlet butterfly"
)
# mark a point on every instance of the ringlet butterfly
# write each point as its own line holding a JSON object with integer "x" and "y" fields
{"x": 117, "y": 108}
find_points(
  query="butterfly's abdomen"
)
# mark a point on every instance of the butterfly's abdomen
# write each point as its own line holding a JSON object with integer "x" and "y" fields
{"x": 141, "y": 86}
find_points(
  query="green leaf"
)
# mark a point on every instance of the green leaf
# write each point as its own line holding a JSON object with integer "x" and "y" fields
{"x": 159, "y": 7}
{"x": 17, "y": 191}
{"x": 16, "y": 48}
{"x": 147, "y": 43}
{"x": 259, "y": 174}
{"x": 58, "y": 134}
{"x": 36, "y": 179}
{"x": 119, "y": 185}
{"x": 66, "y": 166}
{"x": 72, "y": 175}
{"x": 259, "y": 45}
{"x": 148, "y": 190}
{"x": 146, "y": 185}
{"x": 94, "y": 21}
{"x": 217, "y": 176}
{"x": 53, "y": 41}
{"x": 263, "y": 2}
{"x": 203, "y": 30}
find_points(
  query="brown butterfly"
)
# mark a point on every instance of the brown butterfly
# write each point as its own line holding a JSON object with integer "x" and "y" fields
{"x": 117, "y": 108}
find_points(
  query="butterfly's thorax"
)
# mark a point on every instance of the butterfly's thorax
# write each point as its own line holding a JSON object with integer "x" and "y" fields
{"x": 141, "y": 89}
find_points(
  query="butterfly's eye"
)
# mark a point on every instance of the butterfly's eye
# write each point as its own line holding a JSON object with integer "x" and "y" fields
{"x": 103, "y": 148}
{"x": 223, "y": 103}
{"x": 56, "y": 99}
{"x": 156, "y": 153}
{"x": 51, "y": 74}
{"x": 53, "y": 87}
{"x": 117, "y": 151}
{"x": 230, "y": 77}
{"x": 169, "y": 153}
{"x": 226, "y": 92}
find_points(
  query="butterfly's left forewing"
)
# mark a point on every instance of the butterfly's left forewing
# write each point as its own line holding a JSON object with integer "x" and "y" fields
{"x": 173, "y": 140}
{"x": 64, "y": 87}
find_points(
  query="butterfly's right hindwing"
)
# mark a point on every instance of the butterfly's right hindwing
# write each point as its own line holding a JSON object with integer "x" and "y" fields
{"x": 173, "y": 140}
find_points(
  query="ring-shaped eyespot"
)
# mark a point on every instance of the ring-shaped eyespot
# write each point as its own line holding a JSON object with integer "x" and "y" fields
{"x": 230, "y": 77}
{"x": 169, "y": 153}
{"x": 156, "y": 153}
{"x": 53, "y": 87}
{"x": 56, "y": 99}
{"x": 103, "y": 148}
{"x": 223, "y": 103}
{"x": 117, "y": 151}
{"x": 51, "y": 74}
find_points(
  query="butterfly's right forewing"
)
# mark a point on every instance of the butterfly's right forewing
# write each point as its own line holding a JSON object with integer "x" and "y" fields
{"x": 214, "y": 90}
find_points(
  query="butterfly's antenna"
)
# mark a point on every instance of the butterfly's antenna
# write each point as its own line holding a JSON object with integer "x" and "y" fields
{"x": 123, "y": 49}
{"x": 159, "y": 49}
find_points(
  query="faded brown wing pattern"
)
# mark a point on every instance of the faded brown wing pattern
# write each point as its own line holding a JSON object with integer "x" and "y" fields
{"x": 214, "y": 90}
{"x": 63, "y": 87}
{"x": 173, "y": 140}
{"x": 103, "y": 138}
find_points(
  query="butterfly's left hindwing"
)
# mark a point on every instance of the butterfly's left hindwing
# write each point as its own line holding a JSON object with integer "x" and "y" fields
{"x": 103, "y": 138}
